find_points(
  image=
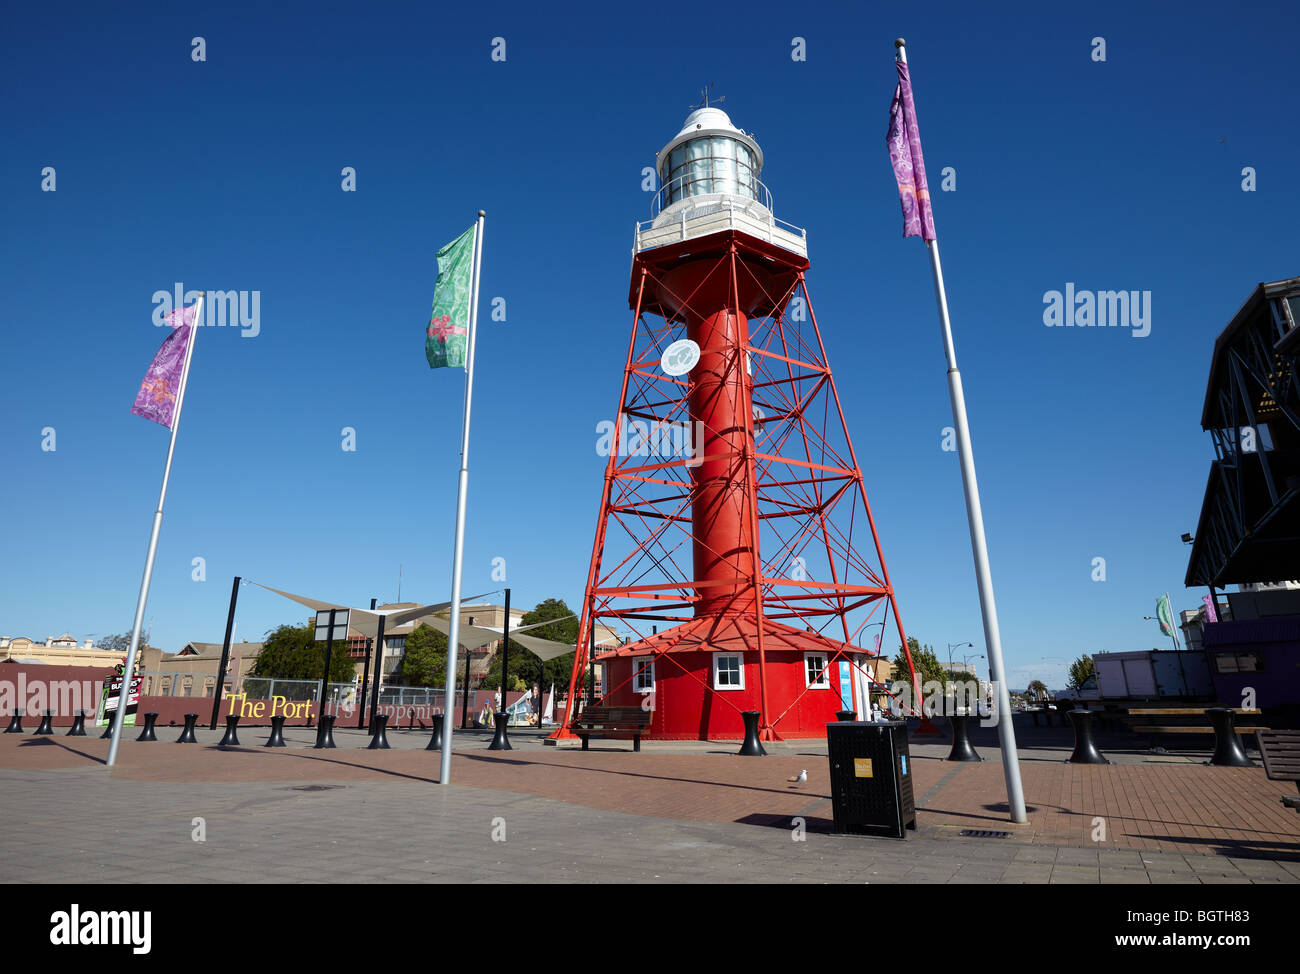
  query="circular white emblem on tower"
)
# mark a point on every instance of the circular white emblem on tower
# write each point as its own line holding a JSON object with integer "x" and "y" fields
{"x": 680, "y": 357}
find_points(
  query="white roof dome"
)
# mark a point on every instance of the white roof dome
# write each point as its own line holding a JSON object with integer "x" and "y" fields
{"x": 708, "y": 121}
{"x": 706, "y": 118}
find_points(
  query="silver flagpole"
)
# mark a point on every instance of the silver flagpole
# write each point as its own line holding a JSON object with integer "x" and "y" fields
{"x": 462, "y": 487}
{"x": 125, "y": 696}
{"x": 979, "y": 545}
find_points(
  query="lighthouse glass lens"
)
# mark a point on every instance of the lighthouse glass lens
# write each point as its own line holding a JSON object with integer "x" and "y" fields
{"x": 701, "y": 170}
{"x": 724, "y": 167}
{"x": 715, "y": 164}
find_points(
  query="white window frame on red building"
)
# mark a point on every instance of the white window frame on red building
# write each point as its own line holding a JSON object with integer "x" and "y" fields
{"x": 643, "y": 675}
{"x": 825, "y": 682}
{"x": 740, "y": 657}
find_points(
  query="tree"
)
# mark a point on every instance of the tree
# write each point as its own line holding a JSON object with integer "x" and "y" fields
{"x": 960, "y": 676}
{"x": 1037, "y": 690}
{"x": 1081, "y": 671}
{"x": 424, "y": 658}
{"x": 121, "y": 642}
{"x": 292, "y": 653}
{"x": 926, "y": 662}
{"x": 527, "y": 666}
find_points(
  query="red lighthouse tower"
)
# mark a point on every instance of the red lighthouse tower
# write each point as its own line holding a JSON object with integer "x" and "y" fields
{"x": 734, "y": 538}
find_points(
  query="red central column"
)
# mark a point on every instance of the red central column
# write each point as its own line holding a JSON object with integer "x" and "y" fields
{"x": 720, "y": 400}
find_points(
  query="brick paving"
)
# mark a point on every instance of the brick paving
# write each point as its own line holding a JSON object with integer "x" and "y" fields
{"x": 1165, "y": 821}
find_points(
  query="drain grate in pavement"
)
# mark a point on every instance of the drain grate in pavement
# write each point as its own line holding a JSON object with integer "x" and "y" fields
{"x": 313, "y": 787}
{"x": 985, "y": 834}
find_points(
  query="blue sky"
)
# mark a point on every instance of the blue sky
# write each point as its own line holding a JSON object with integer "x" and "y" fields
{"x": 225, "y": 174}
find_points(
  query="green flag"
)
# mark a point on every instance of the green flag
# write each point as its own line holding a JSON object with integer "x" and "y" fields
{"x": 447, "y": 336}
{"x": 1165, "y": 615}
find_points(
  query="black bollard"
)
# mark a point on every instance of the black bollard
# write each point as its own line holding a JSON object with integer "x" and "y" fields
{"x": 47, "y": 723}
{"x": 277, "y": 733}
{"x": 379, "y": 742}
{"x": 1085, "y": 751}
{"x": 147, "y": 734}
{"x": 108, "y": 731}
{"x": 325, "y": 732}
{"x": 435, "y": 741}
{"x": 15, "y": 723}
{"x": 78, "y": 725}
{"x": 501, "y": 740}
{"x": 231, "y": 739}
{"x": 843, "y": 716}
{"x": 1227, "y": 748}
{"x": 187, "y": 735}
{"x": 961, "y": 746}
{"x": 752, "y": 747}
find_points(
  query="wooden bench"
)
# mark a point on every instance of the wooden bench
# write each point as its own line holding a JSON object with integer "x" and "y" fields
{"x": 1281, "y": 752}
{"x": 1144, "y": 720}
{"x": 612, "y": 722}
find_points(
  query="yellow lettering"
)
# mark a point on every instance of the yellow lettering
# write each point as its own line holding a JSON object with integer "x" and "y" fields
{"x": 259, "y": 709}
{"x": 279, "y": 705}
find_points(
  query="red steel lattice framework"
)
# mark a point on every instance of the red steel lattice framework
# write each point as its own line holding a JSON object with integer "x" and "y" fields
{"x": 732, "y": 495}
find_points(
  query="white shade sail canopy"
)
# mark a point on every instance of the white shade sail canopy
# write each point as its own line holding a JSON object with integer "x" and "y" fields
{"x": 474, "y": 637}
{"x": 366, "y": 622}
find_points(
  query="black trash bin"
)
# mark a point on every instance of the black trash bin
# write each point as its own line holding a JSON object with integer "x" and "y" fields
{"x": 871, "y": 777}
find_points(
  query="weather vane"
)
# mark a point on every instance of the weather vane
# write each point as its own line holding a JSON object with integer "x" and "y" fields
{"x": 704, "y": 98}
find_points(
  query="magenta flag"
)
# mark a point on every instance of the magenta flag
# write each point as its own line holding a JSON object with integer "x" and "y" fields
{"x": 156, "y": 399}
{"x": 1211, "y": 614}
{"x": 904, "y": 141}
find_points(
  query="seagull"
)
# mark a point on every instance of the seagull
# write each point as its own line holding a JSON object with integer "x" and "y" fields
{"x": 800, "y": 778}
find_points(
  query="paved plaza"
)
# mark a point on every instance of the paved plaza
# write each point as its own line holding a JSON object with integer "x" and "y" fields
{"x": 676, "y": 812}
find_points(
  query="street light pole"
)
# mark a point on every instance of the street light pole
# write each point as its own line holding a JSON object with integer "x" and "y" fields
{"x": 950, "y": 649}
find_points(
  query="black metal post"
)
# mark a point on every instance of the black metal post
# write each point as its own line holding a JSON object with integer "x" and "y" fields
{"x": 277, "y": 732}
{"x": 501, "y": 739}
{"x": 435, "y": 740}
{"x": 1085, "y": 751}
{"x": 225, "y": 653}
{"x": 1227, "y": 749}
{"x": 325, "y": 733}
{"x": 751, "y": 747}
{"x": 365, "y": 677}
{"x": 379, "y": 664}
{"x": 231, "y": 738}
{"x": 464, "y": 702}
{"x": 961, "y": 746}
{"x": 325, "y": 680}
{"x": 379, "y": 741}
{"x": 505, "y": 653}
{"x": 187, "y": 735}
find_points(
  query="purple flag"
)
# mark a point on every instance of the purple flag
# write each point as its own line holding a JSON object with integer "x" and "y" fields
{"x": 156, "y": 399}
{"x": 1211, "y": 614}
{"x": 904, "y": 141}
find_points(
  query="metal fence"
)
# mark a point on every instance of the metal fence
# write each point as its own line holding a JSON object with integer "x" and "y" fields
{"x": 343, "y": 698}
